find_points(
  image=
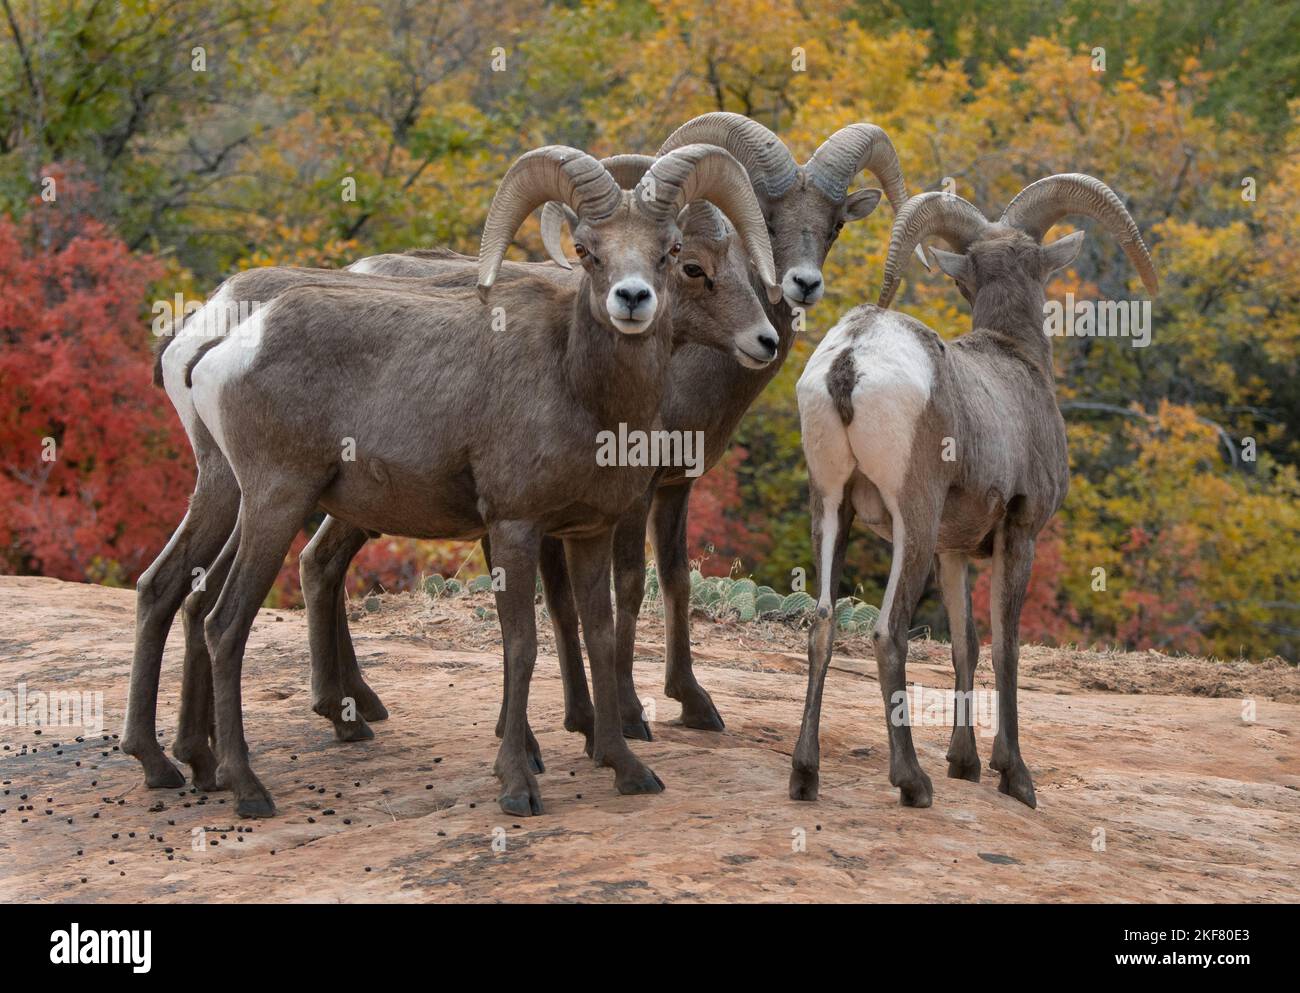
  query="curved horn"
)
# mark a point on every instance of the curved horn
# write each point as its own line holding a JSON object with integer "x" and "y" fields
{"x": 707, "y": 172}
{"x": 770, "y": 165}
{"x": 850, "y": 150}
{"x": 947, "y": 215}
{"x": 553, "y": 220}
{"x": 627, "y": 171}
{"x": 554, "y": 172}
{"x": 1037, "y": 207}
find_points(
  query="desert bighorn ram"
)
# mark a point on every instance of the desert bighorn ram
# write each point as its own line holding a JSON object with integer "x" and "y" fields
{"x": 881, "y": 400}
{"x": 281, "y": 394}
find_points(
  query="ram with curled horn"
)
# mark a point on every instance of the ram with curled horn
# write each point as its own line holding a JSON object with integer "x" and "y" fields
{"x": 951, "y": 450}
{"x": 321, "y": 364}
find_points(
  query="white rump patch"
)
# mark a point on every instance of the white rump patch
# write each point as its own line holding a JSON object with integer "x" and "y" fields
{"x": 223, "y": 364}
{"x": 894, "y": 378}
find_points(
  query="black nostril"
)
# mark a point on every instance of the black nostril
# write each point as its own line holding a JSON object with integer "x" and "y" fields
{"x": 768, "y": 343}
{"x": 808, "y": 284}
{"x": 632, "y": 298}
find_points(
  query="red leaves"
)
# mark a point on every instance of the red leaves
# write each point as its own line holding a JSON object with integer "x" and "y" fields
{"x": 94, "y": 467}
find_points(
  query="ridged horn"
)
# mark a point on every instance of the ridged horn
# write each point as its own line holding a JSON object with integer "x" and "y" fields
{"x": 849, "y": 151}
{"x": 947, "y": 215}
{"x": 771, "y": 167}
{"x": 1040, "y": 205}
{"x": 708, "y": 172}
{"x": 627, "y": 171}
{"x": 554, "y": 172}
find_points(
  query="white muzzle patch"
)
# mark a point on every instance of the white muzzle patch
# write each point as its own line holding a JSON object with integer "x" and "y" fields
{"x": 631, "y": 304}
{"x": 757, "y": 345}
{"x": 802, "y": 286}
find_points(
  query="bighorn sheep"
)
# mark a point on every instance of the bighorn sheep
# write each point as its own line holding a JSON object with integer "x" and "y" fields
{"x": 725, "y": 315}
{"x": 572, "y": 363}
{"x": 805, "y": 208}
{"x": 955, "y": 449}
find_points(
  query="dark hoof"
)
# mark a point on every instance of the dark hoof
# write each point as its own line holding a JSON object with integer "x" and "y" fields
{"x": 522, "y": 803}
{"x": 968, "y": 770}
{"x": 1018, "y": 784}
{"x": 916, "y": 792}
{"x": 639, "y": 780}
{"x": 164, "y": 776}
{"x": 357, "y": 730}
{"x": 698, "y": 711}
{"x": 638, "y": 730}
{"x": 255, "y": 806}
{"x": 804, "y": 784}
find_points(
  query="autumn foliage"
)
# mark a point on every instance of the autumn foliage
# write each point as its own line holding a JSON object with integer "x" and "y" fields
{"x": 94, "y": 469}
{"x": 1181, "y": 526}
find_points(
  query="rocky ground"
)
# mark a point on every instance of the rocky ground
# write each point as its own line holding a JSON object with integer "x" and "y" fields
{"x": 1158, "y": 778}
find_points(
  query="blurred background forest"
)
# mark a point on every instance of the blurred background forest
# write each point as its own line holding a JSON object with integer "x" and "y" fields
{"x": 187, "y": 140}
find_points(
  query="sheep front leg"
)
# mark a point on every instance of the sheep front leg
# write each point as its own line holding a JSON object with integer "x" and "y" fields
{"x": 579, "y": 714}
{"x": 1013, "y": 560}
{"x": 629, "y": 592}
{"x": 269, "y": 518}
{"x": 832, "y": 517}
{"x": 323, "y": 567}
{"x": 589, "y": 565}
{"x": 534, "y": 749}
{"x": 668, "y": 532}
{"x": 195, "y": 732}
{"x": 515, "y": 548}
{"x": 954, "y": 581}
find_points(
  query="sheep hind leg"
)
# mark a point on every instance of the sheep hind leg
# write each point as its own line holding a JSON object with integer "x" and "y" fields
{"x": 668, "y": 532}
{"x": 579, "y": 715}
{"x": 915, "y": 528}
{"x": 323, "y": 566}
{"x": 954, "y": 581}
{"x": 589, "y": 563}
{"x": 159, "y": 594}
{"x": 268, "y": 521}
{"x": 832, "y": 517}
{"x": 1013, "y": 560}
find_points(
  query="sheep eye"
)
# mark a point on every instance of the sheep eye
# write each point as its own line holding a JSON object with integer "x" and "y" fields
{"x": 692, "y": 270}
{"x": 581, "y": 250}
{"x": 676, "y": 249}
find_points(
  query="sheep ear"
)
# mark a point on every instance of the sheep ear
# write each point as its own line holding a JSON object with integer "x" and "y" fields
{"x": 1061, "y": 252}
{"x": 956, "y": 266}
{"x": 860, "y": 203}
